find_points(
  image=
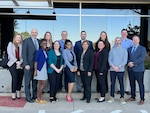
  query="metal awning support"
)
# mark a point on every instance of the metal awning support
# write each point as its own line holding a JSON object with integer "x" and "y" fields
{"x": 50, "y": 3}
{"x": 15, "y": 2}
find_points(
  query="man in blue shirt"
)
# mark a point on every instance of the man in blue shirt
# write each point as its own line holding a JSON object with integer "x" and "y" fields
{"x": 64, "y": 36}
{"x": 117, "y": 61}
{"x": 126, "y": 43}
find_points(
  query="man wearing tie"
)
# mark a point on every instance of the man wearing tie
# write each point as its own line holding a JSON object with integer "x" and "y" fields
{"x": 29, "y": 48}
{"x": 77, "y": 50}
{"x": 137, "y": 54}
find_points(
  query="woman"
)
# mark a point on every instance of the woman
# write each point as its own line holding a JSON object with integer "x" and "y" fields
{"x": 85, "y": 64}
{"x": 101, "y": 58}
{"x": 70, "y": 67}
{"x": 48, "y": 37}
{"x": 104, "y": 37}
{"x": 14, "y": 51}
{"x": 55, "y": 66}
{"x": 40, "y": 70}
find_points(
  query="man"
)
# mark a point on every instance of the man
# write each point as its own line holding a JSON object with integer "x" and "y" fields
{"x": 126, "y": 43}
{"x": 29, "y": 48}
{"x": 77, "y": 50}
{"x": 117, "y": 61}
{"x": 64, "y": 36}
{"x": 137, "y": 55}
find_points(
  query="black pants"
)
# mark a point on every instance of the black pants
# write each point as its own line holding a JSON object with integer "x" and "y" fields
{"x": 54, "y": 80}
{"x": 86, "y": 80}
{"x": 101, "y": 83}
{"x": 17, "y": 76}
{"x": 28, "y": 78}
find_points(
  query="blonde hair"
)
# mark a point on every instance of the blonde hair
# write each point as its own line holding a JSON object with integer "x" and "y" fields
{"x": 50, "y": 41}
{"x": 14, "y": 39}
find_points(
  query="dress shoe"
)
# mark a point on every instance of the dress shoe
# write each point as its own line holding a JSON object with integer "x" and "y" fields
{"x": 127, "y": 92}
{"x": 13, "y": 97}
{"x": 69, "y": 99}
{"x": 101, "y": 100}
{"x": 131, "y": 99}
{"x": 83, "y": 98}
{"x": 18, "y": 94}
{"x": 88, "y": 101}
{"x": 141, "y": 102}
{"x": 118, "y": 92}
{"x": 30, "y": 100}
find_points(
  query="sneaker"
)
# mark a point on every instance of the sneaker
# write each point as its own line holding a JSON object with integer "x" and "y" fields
{"x": 41, "y": 101}
{"x": 111, "y": 99}
{"x": 122, "y": 101}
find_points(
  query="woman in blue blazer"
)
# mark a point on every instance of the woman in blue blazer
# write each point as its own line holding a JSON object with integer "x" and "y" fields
{"x": 55, "y": 66}
{"x": 40, "y": 70}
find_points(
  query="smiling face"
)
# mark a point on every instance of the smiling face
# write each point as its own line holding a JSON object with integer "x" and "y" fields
{"x": 101, "y": 45}
{"x": 18, "y": 39}
{"x": 64, "y": 35}
{"x": 83, "y": 35}
{"x": 118, "y": 41}
{"x": 85, "y": 45}
{"x": 124, "y": 34}
{"x": 103, "y": 36}
{"x": 136, "y": 40}
{"x": 48, "y": 36}
{"x": 34, "y": 33}
{"x": 56, "y": 45}
{"x": 44, "y": 44}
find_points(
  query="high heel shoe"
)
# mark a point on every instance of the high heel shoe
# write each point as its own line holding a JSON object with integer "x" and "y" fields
{"x": 18, "y": 95}
{"x": 69, "y": 99}
{"x": 13, "y": 96}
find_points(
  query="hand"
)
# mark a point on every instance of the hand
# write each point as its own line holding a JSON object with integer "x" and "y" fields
{"x": 75, "y": 69}
{"x": 72, "y": 70}
{"x": 27, "y": 67}
{"x": 78, "y": 73}
{"x": 35, "y": 73}
{"x": 57, "y": 70}
{"x": 130, "y": 64}
{"x": 116, "y": 69}
{"x": 89, "y": 74}
{"x": 100, "y": 74}
{"x": 18, "y": 63}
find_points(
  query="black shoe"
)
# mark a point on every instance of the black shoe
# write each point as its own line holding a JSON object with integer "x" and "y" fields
{"x": 88, "y": 101}
{"x": 83, "y": 98}
{"x": 101, "y": 100}
{"x": 13, "y": 98}
{"x": 127, "y": 92}
{"x": 30, "y": 100}
{"x": 79, "y": 91}
{"x": 52, "y": 100}
{"x": 55, "y": 99}
{"x": 96, "y": 98}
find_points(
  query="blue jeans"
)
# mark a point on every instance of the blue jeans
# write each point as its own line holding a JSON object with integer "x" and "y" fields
{"x": 120, "y": 76}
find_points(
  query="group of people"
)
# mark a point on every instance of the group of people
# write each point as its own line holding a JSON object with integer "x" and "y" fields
{"x": 44, "y": 60}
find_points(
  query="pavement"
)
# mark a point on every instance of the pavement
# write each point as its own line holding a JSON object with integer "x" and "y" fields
{"x": 62, "y": 106}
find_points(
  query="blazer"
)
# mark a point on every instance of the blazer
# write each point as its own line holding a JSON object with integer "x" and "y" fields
{"x": 137, "y": 59}
{"x": 28, "y": 52}
{"x": 12, "y": 54}
{"x": 68, "y": 58}
{"x": 78, "y": 47}
{"x": 52, "y": 59}
{"x": 102, "y": 65}
{"x": 88, "y": 60}
{"x": 40, "y": 59}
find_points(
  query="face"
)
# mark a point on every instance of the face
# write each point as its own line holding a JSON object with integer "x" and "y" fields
{"x": 44, "y": 44}
{"x": 118, "y": 41}
{"x": 18, "y": 39}
{"x": 83, "y": 35}
{"x": 69, "y": 45}
{"x": 124, "y": 34}
{"x": 136, "y": 40}
{"x": 48, "y": 36}
{"x": 56, "y": 45}
{"x": 85, "y": 46}
{"x": 101, "y": 45}
{"x": 64, "y": 35}
{"x": 103, "y": 36}
{"x": 34, "y": 33}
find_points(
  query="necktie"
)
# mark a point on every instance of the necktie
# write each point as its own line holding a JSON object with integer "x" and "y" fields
{"x": 133, "y": 51}
{"x": 35, "y": 44}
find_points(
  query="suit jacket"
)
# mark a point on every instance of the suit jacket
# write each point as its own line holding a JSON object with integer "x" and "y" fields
{"x": 102, "y": 65}
{"x": 12, "y": 54}
{"x": 28, "y": 52}
{"x": 137, "y": 59}
{"x": 52, "y": 59}
{"x": 40, "y": 59}
{"x": 88, "y": 60}
{"x": 78, "y": 47}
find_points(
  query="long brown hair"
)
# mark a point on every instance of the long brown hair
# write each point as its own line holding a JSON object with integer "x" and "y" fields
{"x": 107, "y": 44}
{"x": 16, "y": 45}
{"x": 50, "y": 41}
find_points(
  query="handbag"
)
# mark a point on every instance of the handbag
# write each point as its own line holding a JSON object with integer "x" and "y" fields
{"x": 4, "y": 60}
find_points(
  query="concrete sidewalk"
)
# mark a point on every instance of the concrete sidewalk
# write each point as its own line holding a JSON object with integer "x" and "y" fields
{"x": 62, "y": 106}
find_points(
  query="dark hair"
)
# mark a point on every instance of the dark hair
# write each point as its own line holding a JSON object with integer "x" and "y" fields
{"x": 106, "y": 42}
{"x": 83, "y": 31}
{"x": 42, "y": 40}
{"x": 54, "y": 43}
{"x": 66, "y": 42}
{"x": 124, "y": 30}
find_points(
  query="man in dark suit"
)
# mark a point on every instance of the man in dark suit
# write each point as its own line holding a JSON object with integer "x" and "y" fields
{"x": 78, "y": 49}
{"x": 136, "y": 57}
{"x": 29, "y": 48}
